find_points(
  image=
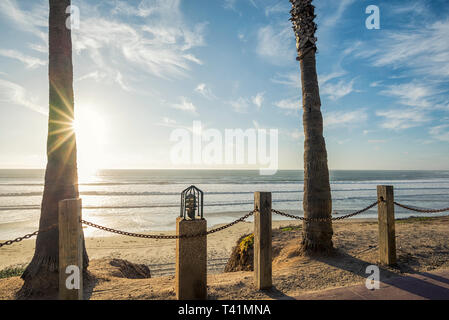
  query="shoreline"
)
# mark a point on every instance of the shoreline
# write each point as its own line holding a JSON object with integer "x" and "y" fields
{"x": 152, "y": 252}
{"x": 14, "y": 229}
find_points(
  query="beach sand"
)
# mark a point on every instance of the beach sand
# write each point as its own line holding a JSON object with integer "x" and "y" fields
{"x": 422, "y": 245}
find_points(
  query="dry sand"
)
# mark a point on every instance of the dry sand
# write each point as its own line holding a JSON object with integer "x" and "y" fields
{"x": 421, "y": 246}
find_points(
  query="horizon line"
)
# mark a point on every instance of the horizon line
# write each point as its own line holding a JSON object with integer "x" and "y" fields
{"x": 228, "y": 169}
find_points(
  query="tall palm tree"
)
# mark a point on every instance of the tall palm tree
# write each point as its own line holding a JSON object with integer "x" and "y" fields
{"x": 317, "y": 204}
{"x": 61, "y": 178}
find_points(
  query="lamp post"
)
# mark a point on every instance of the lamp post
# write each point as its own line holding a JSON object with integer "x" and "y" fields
{"x": 191, "y": 252}
{"x": 192, "y": 203}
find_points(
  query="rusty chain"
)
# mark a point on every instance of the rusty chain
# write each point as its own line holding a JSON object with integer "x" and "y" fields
{"x": 27, "y": 236}
{"x": 150, "y": 236}
{"x": 246, "y": 216}
{"x": 161, "y": 236}
{"x": 420, "y": 210}
{"x": 324, "y": 219}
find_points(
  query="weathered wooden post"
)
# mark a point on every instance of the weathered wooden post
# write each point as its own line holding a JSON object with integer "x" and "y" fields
{"x": 387, "y": 238}
{"x": 70, "y": 250}
{"x": 262, "y": 241}
{"x": 191, "y": 253}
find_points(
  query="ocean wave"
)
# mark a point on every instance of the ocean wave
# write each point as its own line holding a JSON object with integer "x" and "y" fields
{"x": 234, "y": 182}
{"x": 156, "y": 205}
{"x": 157, "y": 193}
{"x": 366, "y": 199}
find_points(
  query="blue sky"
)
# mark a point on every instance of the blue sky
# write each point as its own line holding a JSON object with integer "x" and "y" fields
{"x": 145, "y": 67}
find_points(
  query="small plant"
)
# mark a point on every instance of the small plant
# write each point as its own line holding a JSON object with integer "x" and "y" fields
{"x": 246, "y": 243}
{"x": 291, "y": 228}
{"x": 414, "y": 219}
{"x": 11, "y": 272}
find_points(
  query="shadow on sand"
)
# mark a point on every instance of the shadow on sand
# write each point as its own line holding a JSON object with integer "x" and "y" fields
{"x": 412, "y": 285}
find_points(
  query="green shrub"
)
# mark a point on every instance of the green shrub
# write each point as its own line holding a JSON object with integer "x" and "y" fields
{"x": 11, "y": 272}
{"x": 290, "y": 228}
{"x": 246, "y": 243}
{"x": 414, "y": 219}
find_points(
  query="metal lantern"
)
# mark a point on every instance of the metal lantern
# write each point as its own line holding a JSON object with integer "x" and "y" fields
{"x": 192, "y": 203}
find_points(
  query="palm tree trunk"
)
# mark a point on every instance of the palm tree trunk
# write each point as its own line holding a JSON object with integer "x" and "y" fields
{"x": 61, "y": 178}
{"x": 317, "y": 203}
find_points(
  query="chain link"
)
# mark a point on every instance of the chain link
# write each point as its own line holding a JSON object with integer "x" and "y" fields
{"x": 357, "y": 212}
{"x": 246, "y": 216}
{"x": 420, "y": 210}
{"x": 161, "y": 236}
{"x": 324, "y": 219}
{"x": 153, "y": 236}
{"x": 27, "y": 236}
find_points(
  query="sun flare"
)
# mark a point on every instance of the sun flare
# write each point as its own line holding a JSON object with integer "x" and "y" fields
{"x": 90, "y": 133}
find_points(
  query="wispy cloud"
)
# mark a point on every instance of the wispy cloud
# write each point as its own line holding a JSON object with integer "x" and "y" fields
{"x": 15, "y": 94}
{"x": 241, "y": 105}
{"x": 172, "y": 123}
{"x": 332, "y": 19}
{"x": 241, "y": 36}
{"x": 34, "y": 19}
{"x": 39, "y": 47}
{"x": 152, "y": 43}
{"x": 420, "y": 100}
{"x": 325, "y": 78}
{"x": 168, "y": 120}
{"x": 291, "y": 79}
{"x": 440, "y": 132}
{"x": 144, "y": 9}
{"x": 147, "y": 48}
{"x": 342, "y": 118}
{"x": 184, "y": 105}
{"x": 400, "y": 119}
{"x": 328, "y": 87}
{"x": 30, "y": 62}
{"x": 411, "y": 7}
{"x": 296, "y": 134}
{"x": 205, "y": 91}
{"x": 123, "y": 83}
{"x": 414, "y": 94}
{"x": 275, "y": 43}
{"x": 338, "y": 90}
{"x": 258, "y": 99}
{"x": 375, "y": 84}
{"x": 94, "y": 75}
{"x": 253, "y": 2}
{"x": 422, "y": 49}
{"x": 289, "y": 105}
{"x": 419, "y": 50}
{"x": 279, "y": 7}
{"x": 231, "y": 4}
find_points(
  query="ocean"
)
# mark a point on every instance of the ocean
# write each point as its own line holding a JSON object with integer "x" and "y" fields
{"x": 148, "y": 200}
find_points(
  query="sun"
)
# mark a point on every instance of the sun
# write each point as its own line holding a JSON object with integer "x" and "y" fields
{"x": 90, "y": 133}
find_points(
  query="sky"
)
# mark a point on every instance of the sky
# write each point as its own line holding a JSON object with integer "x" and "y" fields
{"x": 144, "y": 68}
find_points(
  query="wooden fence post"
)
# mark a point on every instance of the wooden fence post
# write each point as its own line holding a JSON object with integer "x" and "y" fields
{"x": 387, "y": 238}
{"x": 262, "y": 241}
{"x": 191, "y": 260}
{"x": 70, "y": 250}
